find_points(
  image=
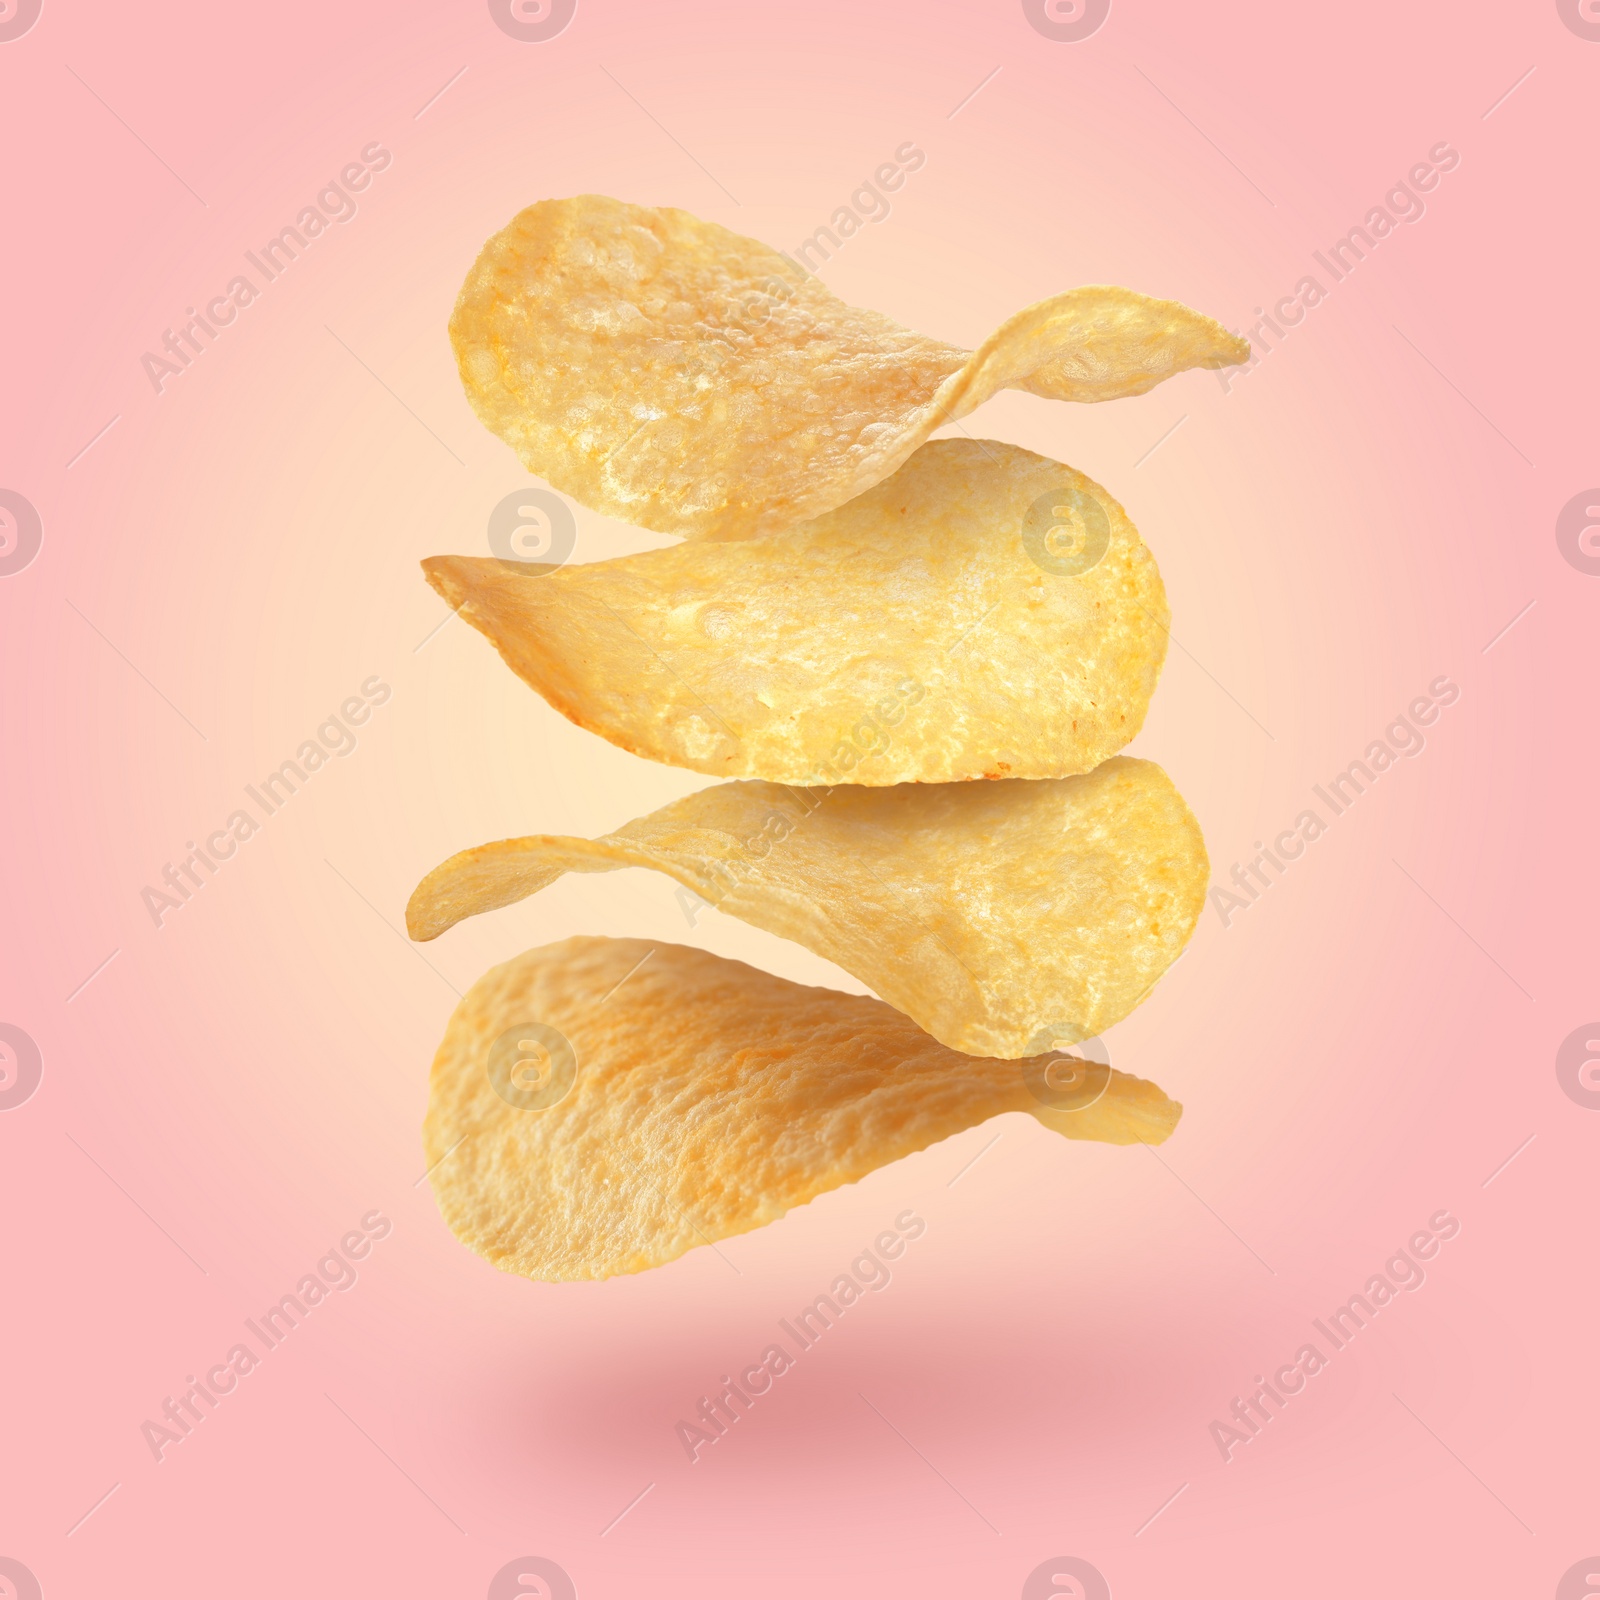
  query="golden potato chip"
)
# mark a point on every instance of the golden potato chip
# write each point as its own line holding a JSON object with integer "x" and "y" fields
{"x": 668, "y": 372}
{"x": 1000, "y": 917}
{"x": 603, "y": 1105}
{"x": 983, "y": 613}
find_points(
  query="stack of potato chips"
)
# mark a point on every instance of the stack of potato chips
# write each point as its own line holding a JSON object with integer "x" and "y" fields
{"x": 862, "y": 626}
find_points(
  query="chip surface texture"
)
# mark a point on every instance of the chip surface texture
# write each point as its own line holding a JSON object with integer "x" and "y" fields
{"x": 709, "y": 1098}
{"x": 674, "y": 374}
{"x": 987, "y": 912}
{"x": 983, "y": 613}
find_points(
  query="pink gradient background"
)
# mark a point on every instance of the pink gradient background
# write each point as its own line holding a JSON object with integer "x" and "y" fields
{"x": 234, "y": 1090}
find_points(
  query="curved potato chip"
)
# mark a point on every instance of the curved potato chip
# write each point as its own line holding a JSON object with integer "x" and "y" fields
{"x": 1000, "y": 917}
{"x": 668, "y": 372}
{"x": 983, "y": 613}
{"x": 665, "y": 1098}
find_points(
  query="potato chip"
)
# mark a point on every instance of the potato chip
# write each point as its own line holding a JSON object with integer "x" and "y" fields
{"x": 983, "y": 613}
{"x": 668, "y": 372}
{"x": 1000, "y": 917}
{"x": 603, "y": 1105}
